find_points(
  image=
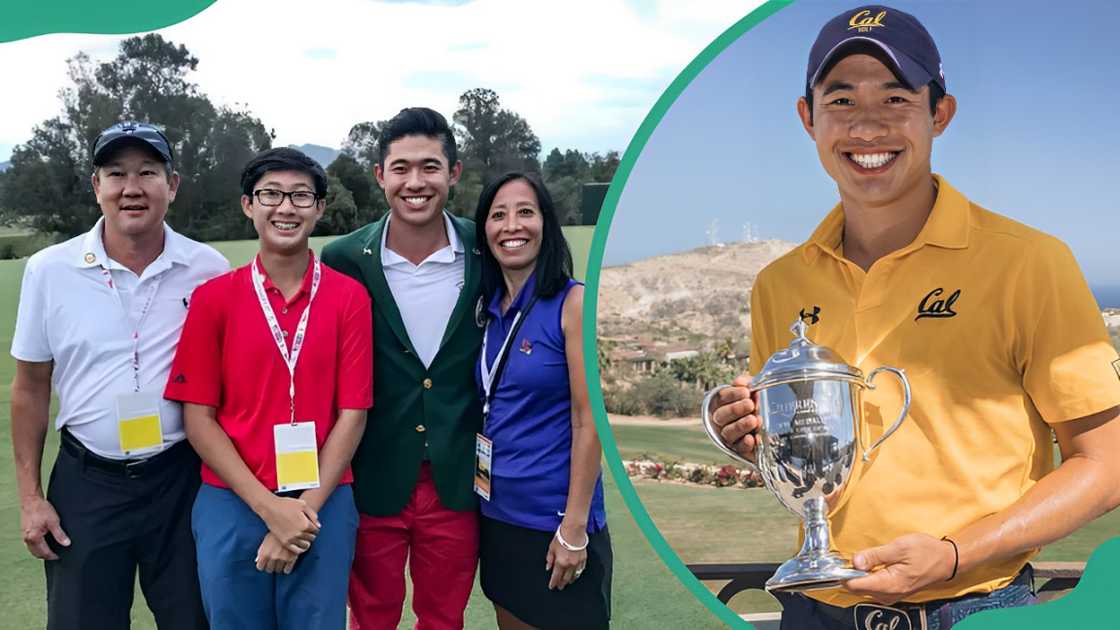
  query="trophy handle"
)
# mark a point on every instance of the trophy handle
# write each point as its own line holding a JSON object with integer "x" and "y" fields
{"x": 901, "y": 374}
{"x": 713, "y": 432}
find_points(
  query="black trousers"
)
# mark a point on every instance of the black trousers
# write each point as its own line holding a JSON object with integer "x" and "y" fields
{"x": 120, "y": 522}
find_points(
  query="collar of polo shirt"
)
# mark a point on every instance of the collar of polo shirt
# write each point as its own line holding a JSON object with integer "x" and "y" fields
{"x": 93, "y": 248}
{"x": 948, "y": 226}
{"x": 390, "y": 257}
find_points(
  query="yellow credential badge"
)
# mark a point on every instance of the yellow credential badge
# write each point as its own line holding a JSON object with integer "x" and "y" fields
{"x": 297, "y": 456}
{"x": 138, "y": 423}
{"x": 140, "y": 433}
{"x": 297, "y": 469}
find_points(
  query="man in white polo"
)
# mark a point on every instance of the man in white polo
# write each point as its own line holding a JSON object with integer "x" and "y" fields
{"x": 99, "y": 320}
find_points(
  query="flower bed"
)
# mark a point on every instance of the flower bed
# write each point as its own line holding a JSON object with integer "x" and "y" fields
{"x": 700, "y": 474}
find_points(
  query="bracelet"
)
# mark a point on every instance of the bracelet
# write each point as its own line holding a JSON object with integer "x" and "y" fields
{"x": 570, "y": 547}
{"x": 956, "y": 557}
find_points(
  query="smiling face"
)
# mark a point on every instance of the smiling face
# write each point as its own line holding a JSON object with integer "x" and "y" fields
{"x": 283, "y": 229}
{"x": 417, "y": 178}
{"x": 514, "y": 226}
{"x": 134, "y": 189}
{"x": 874, "y": 135}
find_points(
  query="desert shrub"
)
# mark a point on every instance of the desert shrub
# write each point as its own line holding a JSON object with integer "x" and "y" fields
{"x": 658, "y": 395}
{"x": 619, "y": 400}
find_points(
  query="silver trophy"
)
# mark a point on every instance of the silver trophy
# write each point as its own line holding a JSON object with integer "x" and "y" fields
{"x": 809, "y": 407}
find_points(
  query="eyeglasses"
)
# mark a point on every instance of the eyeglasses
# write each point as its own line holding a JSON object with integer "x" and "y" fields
{"x": 300, "y": 198}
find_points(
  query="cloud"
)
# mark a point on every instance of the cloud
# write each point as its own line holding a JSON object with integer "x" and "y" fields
{"x": 583, "y": 73}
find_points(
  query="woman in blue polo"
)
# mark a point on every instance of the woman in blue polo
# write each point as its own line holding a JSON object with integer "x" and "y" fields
{"x": 545, "y": 551}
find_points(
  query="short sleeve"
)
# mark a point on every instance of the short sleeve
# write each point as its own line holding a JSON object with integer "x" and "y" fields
{"x": 196, "y": 371}
{"x": 355, "y": 355}
{"x": 30, "y": 341}
{"x": 1070, "y": 368}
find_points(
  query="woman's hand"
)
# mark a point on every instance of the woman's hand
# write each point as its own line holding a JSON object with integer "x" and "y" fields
{"x": 566, "y": 566}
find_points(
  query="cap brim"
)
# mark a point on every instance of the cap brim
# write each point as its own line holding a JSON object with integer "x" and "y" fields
{"x": 905, "y": 68}
{"x": 116, "y": 144}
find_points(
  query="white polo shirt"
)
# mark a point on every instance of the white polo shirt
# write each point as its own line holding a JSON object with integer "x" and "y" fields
{"x": 80, "y": 309}
{"x": 426, "y": 293}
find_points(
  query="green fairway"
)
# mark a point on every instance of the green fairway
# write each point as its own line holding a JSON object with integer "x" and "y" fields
{"x": 643, "y": 587}
{"x": 667, "y": 444}
{"x": 723, "y": 525}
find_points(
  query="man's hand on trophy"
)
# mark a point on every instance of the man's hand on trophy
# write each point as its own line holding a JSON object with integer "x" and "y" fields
{"x": 735, "y": 415}
{"x": 904, "y": 566}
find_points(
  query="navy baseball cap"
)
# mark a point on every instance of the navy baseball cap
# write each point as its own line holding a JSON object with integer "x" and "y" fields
{"x": 907, "y": 45}
{"x": 130, "y": 132}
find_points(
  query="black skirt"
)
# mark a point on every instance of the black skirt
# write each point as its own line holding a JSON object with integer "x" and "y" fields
{"x": 512, "y": 574}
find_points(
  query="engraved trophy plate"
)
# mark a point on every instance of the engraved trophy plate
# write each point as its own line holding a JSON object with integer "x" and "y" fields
{"x": 809, "y": 407}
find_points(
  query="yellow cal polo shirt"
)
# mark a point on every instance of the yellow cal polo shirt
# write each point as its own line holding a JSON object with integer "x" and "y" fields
{"x": 999, "y": 336}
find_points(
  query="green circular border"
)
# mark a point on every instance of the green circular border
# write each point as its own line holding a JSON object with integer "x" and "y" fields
{"x": 20, "y": 19}
{"x": 591, "y": 302}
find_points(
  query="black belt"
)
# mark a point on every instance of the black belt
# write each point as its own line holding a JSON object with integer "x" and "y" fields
{"x": 846, "y": 616}
{"x": 130, "y": 468}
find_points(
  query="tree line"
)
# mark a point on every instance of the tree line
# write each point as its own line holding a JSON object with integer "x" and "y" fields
{"x": 47, "y": 186}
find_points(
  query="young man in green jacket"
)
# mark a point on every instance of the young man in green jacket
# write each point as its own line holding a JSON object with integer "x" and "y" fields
{"x": 414, "y": 467}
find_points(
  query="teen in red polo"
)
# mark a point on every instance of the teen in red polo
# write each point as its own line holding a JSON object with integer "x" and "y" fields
{"x": 275, "y": 542}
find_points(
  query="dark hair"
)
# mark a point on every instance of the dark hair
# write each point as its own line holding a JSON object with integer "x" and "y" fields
{"x": 867, "y": 48}
{"x": 282, "y": 159}
{"x": 554, "y": 262}
{"x": 418, "y": 121}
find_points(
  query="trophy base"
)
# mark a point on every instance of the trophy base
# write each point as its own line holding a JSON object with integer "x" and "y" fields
{"x": 808, "y": 573}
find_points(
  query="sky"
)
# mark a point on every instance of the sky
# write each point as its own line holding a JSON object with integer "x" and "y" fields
{"x": 583, "y": 73}
{"x": 1034, "y": 138}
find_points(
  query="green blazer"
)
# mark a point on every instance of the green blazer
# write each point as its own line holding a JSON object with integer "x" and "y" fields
{"x": 412, "y": 404}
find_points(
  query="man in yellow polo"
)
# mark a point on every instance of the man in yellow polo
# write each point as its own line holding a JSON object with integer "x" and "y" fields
{"x": 993, "y": 322}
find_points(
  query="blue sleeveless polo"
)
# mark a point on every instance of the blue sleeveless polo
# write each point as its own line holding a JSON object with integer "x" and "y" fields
{"x": 530, "y": 418}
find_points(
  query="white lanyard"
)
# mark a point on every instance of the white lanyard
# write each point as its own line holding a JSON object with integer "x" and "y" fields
{"x": 489, "y": 374}
{"x": 278, "y": 333}
{"x": 139, "y": 322}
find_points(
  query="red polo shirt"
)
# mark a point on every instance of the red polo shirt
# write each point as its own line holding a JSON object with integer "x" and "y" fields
{"x": 227, "y": 359}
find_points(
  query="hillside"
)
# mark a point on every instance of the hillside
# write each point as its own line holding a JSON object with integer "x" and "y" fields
{"x": 670, "y": 306}
{"x": 689, "y": 300}
{"x": 323, "y": 155}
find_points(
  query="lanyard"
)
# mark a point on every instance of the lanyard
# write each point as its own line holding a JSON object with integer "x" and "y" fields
{"x": 491, "y": 377}
{"x": 278, "y": 333}
{"x": 139, "y": 322}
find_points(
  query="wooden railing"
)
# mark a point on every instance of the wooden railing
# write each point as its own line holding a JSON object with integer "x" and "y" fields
{"x": 1052, "y": 579}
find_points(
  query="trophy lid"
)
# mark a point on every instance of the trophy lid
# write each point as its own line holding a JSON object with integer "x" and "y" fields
{"x": 803, "y": 360}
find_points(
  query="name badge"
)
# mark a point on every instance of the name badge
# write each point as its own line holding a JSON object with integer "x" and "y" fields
{"x": 138, "y": 422}
{"x": 483, "y": 449}
{"x": 297, "y": 456}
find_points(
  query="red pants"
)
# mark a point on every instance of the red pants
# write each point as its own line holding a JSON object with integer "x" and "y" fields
{"x": 441, "y": 547}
